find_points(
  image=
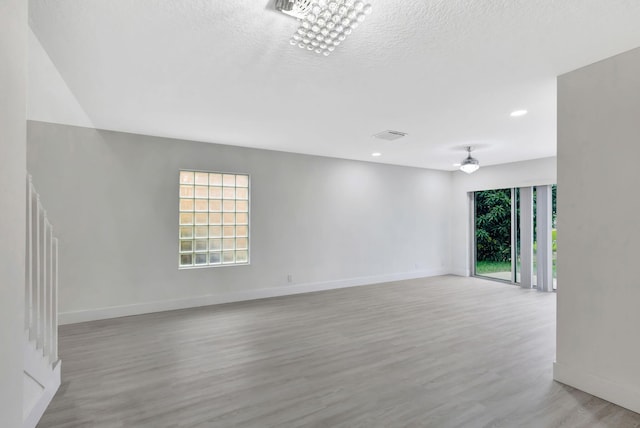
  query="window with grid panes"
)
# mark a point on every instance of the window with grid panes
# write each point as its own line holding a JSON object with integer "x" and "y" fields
{"x": 214, "y": 219}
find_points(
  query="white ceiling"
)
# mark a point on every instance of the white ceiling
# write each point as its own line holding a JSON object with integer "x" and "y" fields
{"x": 447, "y": 72}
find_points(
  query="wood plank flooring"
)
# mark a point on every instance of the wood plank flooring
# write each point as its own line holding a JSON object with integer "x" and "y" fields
{"x": 436, "y": 352}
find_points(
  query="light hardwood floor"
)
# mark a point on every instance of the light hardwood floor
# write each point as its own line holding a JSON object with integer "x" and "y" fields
{"x": 436, "y": 352}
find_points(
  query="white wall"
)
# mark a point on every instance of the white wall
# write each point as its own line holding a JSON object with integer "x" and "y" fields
{"x": 517, "y": 174}
{"x": 598, "y": 326}
{"x": 13, "y": 61}
{"x": 49, "y": 99}
{"x": 112, "y": 198}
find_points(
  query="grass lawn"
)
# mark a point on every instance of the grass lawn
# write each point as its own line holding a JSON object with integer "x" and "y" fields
{"x": 483, "y": 267}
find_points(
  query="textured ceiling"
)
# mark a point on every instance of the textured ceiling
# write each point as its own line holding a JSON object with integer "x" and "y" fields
{"x": 447, "y": 72}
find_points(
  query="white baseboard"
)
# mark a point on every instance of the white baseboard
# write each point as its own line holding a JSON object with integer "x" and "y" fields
{"x": 49, "y": 389}
{"x": 460, "y": 272}
{"x": 239, "y": 296}
{"x": 627, "y": 396}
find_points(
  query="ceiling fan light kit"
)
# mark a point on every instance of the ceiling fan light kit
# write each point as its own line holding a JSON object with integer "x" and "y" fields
{"x": 469, "y": 164}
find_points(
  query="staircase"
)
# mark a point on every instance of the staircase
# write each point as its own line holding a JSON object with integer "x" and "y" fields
{"x": 41, "y": 364}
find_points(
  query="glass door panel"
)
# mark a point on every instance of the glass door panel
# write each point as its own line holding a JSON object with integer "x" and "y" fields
{"x": 518, "y": 263}
{"x": 493, "y": 234}
{"x": 534, "y": 277}
{"x": 554, "y": 234}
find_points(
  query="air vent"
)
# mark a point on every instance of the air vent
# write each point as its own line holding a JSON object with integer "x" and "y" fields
{"x": 390, "y": 135}
{"x": 296, "y": 8}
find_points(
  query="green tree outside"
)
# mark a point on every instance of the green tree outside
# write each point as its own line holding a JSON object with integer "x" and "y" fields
{"x": 493, "y": 225}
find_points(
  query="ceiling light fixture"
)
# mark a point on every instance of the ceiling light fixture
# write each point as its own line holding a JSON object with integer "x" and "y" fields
{"x": 376, "y": 154}
{"x": 324, "y": 24}
{"x": 469, "y": 165}
{"x": 518, "y": 113}
{"x": 296, "y": 8}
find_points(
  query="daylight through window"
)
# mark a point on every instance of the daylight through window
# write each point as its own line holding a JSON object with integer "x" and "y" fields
{"x": 214, "y": 219}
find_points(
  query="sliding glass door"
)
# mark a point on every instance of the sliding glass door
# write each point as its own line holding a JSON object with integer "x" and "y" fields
{"x": 493, "y": 243}
{"x": 515, "y": 235}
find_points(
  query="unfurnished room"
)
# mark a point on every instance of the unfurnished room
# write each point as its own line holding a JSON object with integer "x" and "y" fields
{"x": 319, "y": 213}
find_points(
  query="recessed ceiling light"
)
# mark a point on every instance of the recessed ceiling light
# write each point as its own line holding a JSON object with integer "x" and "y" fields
{"x": 376, "y": 154}
{"x": 518, "y": 113}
